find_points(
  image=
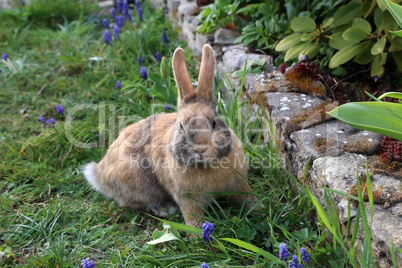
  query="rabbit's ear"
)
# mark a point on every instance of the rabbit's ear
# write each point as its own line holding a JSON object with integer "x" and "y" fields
{"x": 207, "y": 70}
{"x": 183, "y": 82}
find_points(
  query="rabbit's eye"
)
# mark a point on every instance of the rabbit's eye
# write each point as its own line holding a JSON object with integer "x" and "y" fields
{"x": 181, "y": 126}
{"x": 213, "y": 124}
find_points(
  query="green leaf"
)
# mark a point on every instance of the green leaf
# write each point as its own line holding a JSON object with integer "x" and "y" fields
{"x": 362, "y": 24}
{"x": 312, "y": 51}
{"x": 397, "y": 55}
{"x": 344, "y": 15}
{"x": 288, "y": 42}
{"x": 396, "y": 44}
{"x": 354, "y": 34}
{"x": 378, "y": 18}
{"x": 255, "y": 249}
{"x": 396, "y": 95}
{"x": 395, "y": 10}
{"x": 380, "y": 117}
{"x": 164, "y": 238}
{"x": 377, "y": 68}
{"x": 367, "y": 7}
{"x": 295, "y": 51}
{"x": 397, "y": 33}
{"x": 388, "y": 22}
{"x": 344, "y": 55}
{"x": 339, "y": 71}
{"x": 364, "y": 56}
{"x": 303, "y": 24}
{"x": 379, "y": 46}
{"x": 337, "y": 41}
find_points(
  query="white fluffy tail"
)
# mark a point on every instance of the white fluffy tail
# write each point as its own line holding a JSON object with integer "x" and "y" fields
{"x": 89, "y": 171}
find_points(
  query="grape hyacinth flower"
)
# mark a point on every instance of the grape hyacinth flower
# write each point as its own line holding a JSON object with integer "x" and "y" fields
{"x": 119, "y": 21}
{"x": 139, "y": 61}
{"x": 166, "y": 107}
{"x": 51, "y": 121}
{"x": 106, "y": 23}
{"x": 87, "y": 263}
{"x": 59, "y": 109}
{"x": 140, "y": 13}
{"x": 113, "y": 13}
{"x": 158, "y": 56}
{"x": 125, "y": 7}
{"x": 295, "y": 262}
{"x": 283, "y": 252}
{"x": 107, "y": 37}
{"x": 204, "y": 265}
{"x": 119, "y": 6}
{"x": 144, "y": 73}
{"x": 137, "y": 4}
{"x": 164, "y": 37}
{"x": 116, "y": 31}
{"x": 4, "y": 56}
{"x": 304, "y": 255}
{"x": 42, "y": 119}
{"x": 207, "y": 228}
{"x": 118, "y": 84}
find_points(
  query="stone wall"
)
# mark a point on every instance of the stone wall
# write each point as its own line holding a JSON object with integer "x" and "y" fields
{"x": 333, "y": 151}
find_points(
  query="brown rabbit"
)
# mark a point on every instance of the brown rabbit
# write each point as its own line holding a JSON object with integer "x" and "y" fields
{"x": 169, "y": 159}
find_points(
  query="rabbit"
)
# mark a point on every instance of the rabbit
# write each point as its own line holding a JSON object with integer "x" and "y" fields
{"x": 170, "y": 160}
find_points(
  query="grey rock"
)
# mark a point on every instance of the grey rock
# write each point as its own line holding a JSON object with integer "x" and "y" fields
{"x": 387, "y": 205}
{"x": 225, "y": 37}
{"x": 173, "y": 5}
{"x": 187, "y": 8}
{"x": 235, "y": 57}
{"x": 385, "y": 230}
{"x": 397, "y": 210}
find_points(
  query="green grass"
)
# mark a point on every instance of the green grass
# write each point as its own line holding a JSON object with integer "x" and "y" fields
{"x": 50, "y": 217}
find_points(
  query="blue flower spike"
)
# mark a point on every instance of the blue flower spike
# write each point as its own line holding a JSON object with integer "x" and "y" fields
{"x": 87, "y": 263}
{"x": 283, "y": 252}
{"x": 4, "y": 56}
{"x": 166, "y": 107}
{"x": 144, "y": 73}
{"x": 207, "y": 228}
{"x": 113, "y": 13}
{"x": 105, "y": 23}
{"x": 59, "y": 109}
{"x": 139, "y": 61}
{"x": 42, "y": 119}
{"x": 119, "y": 6}
{"x": 118, "y": 84}
{"x": 107, "y": 37}
{"x": 164, "y": 37}
{"x": 304, "y": 255}
{"x": 204, "y": 265}
{"x": 295, "y": 262}
{"x": 51, "y": 121}
{"x": 140, "y": 15}
{"x": 158, "y": 56}
{"x": 116, "y": 32}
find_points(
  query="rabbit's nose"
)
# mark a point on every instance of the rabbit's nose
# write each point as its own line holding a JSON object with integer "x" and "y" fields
{"x": 200, "y": 151}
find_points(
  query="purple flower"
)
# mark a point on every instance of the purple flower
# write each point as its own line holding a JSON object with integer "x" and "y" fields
{"x": 144, "y": 73}
{"x": 113, "y": 13}
{"x": 59, "y": 109}
{"x": 207, "y": 228}
{"x": 119, "y": 6}
{"x": 119, "y": 21}
{"x": 118, "y": 84}
{"x": 4, "y": 56}
{"x": 295, "y": 262}
{"x": 304, "y": 255}
{"x": 139, "y": 61}
{"x": 125, "y": 7}
{"x": 42, "y": 119}
{"x": 51, "y": 121}
{"x": 87, "y": 263}
{"x": 283, "y": 252}
{"x": 106, "y": 23}
{"x": 107, "y": 37}
{"x": 158, "y": 56}
{"x": 204, "y": 265}
{"x": 116, "y": 31}
{"x": 166, "y": 107}
{"x": 137, "y": 4}
{"x": 140, "y": 13}
{"x": 164, "y": 37}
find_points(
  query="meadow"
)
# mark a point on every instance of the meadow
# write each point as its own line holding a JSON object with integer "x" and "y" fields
{"x": 63, "y": 66}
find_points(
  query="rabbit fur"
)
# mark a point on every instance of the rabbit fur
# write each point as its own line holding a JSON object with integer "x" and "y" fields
{"x": 170, "y": 160}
